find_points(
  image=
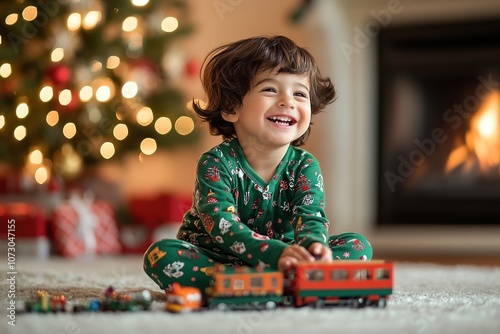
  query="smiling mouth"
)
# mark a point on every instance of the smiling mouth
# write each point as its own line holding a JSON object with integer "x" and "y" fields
{"x": 282, "y": 120}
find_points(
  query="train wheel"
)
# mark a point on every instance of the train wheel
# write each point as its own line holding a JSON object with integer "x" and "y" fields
{"x": 270, "y": 306}
{"x": 320, "y": 303}
{"x": 357, "y": 302}
{"x": 288, "y": 301}
{"x": 222, "y": 307}
{"x": 382, "y": 302}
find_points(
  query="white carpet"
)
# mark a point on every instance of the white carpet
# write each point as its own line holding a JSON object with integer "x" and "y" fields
{"x": 427, "y": 299}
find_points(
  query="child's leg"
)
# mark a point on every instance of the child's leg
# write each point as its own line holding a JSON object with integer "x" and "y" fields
{"x": 170, "y": 260}
{"x": 350, "y": 246}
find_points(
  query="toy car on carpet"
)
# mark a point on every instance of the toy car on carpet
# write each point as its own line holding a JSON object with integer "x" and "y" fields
{"x": 114, "y": 301}
{"x": 45, "y": 303}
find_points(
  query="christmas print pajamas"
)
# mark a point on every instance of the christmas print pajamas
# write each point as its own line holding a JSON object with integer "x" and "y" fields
{"x": 239, "y": 219}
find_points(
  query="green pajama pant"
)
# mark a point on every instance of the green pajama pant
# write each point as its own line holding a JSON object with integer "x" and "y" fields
{"x": 170, "y": 260}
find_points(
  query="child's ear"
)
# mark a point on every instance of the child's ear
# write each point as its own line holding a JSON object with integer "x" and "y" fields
{"x": 230, "y": 117}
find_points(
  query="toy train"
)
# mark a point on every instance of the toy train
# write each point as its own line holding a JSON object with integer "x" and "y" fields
{"x": 45, "y": 303}
{"x": 318, "y": 284}
{"x": 112, "y": 301}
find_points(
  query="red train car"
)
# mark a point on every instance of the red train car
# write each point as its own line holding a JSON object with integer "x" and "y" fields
{"x": 353, "y": 283}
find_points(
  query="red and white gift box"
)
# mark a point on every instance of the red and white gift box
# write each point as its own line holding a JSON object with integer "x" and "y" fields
{"x": 25, "y": 224}
{"x": 83, "y": 226}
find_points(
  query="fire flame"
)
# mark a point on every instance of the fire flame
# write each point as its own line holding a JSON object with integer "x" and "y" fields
{"x": 482, "y": 140}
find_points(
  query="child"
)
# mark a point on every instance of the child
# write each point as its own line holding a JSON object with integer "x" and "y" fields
{"x": 258, "y": 198}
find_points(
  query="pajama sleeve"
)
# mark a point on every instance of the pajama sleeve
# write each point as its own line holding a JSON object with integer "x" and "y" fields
{"x": 216, "y": 205}
{"x": 309, "y": 218}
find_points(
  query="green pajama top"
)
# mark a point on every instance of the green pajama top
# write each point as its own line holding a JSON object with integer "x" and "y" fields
{"x": 239, "y": 216}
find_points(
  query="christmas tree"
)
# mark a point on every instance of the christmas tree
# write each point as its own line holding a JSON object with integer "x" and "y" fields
{"x": 82, "y": 81}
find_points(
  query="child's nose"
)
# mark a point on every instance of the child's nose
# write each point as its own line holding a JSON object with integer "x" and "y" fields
{"x": 287, "y": 101}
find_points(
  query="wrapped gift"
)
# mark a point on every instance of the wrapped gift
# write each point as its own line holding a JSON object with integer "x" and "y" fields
{"x": 83, "y": 226}
{"x": 151, "y": 217}
{"x": 158, "y": 210}
{"x": 27, "y": 224}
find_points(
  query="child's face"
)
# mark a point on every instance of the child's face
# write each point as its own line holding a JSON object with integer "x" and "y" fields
{"x": 275, "y": 111}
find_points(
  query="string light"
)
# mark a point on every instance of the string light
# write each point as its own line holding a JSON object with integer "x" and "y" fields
{"x": 41, "y": 175}
{"x": 96, "y": 66}
{"x": 22, "y": 110}
{"x": 140, "y": 3}
{"x": 104, "y": 89}
{"x": 69, "y": 130}
{"x": 36, "y": 157}
{"x": 169, "y": 24}
{"x": 65, "y": 97}
{"x": 103, "y": 94}
{"x": 144, "y": 116}
{"x": 74, "y": 21}
{"x": 11, "y": 19}
{"x": 52, "y": 118}
{"x": 107, "y": 150}
{"x": 46, "y": 94}
{"x": 130, "y": 24}
{"x": 91, "y": 19}
{"x": 30, "y": 13}
{"x": 113, "y": 62}
{"x": 184, "y": 125}
{"x": 2, "y": 121}
{"x": 20, "y": 132}
{"x": 57, "y": 55}
{"x": 148, "y": 146}
{"x": 120, "y": 131}
{"x": 86, "y": 93}
{"x": 5, "y": 70}
{"x": 163, "y": 125}
{"x": 129, "y": 89}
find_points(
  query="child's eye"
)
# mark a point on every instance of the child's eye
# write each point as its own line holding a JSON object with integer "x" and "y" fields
{"x": 269, "y": 89}
{"x": 301, "y": 94}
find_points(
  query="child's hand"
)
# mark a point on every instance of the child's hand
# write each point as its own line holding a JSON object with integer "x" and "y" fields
{"x": 320, "y": 251}
{"x": 293, "y": 254}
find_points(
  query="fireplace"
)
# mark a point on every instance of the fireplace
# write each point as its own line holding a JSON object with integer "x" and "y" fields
{"x": 439, "y": 124}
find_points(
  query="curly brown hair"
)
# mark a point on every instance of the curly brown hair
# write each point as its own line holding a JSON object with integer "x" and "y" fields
{"x": 229, "y": 70}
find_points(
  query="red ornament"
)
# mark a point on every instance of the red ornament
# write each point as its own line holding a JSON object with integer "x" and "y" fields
{"x": 55, "y": 184}
{"x": 8, "y": 87}
{"x": 143, "y": 63}
{"x": 192, "y": 67}
{"x": 59, "y": 74}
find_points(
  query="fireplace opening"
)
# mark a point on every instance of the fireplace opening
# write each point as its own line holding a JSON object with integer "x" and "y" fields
{"x": 439, "y": 124}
